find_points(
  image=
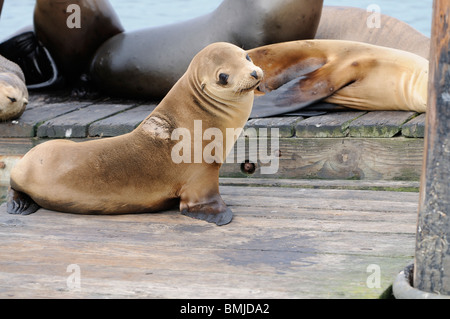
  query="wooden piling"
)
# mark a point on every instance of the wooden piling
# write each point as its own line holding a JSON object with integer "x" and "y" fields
{"x": 432, "y": 260}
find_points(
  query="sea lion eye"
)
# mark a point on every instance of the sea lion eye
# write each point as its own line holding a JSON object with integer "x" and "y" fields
{"x": 223, "y": 78}
{"x": 12, "y": 99}
{"x": 248, "y": 58}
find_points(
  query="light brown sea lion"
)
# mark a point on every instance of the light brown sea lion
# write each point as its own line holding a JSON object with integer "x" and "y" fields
{"x": 141, "y": 171}
{"x": 352, "y": 74}
{"x": 13, "y": 91}
{"x": 72, "y": 46}
{"x": 156, "y": 57}
{"x": 354, "y": 24}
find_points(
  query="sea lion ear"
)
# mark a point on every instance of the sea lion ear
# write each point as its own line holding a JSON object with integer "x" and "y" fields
{"x": 203, "y": 86}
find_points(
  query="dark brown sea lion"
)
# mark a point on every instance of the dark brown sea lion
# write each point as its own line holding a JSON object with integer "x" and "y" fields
{"x": 142, "y": 171}
{"x": 72, "y": 46}
{"x": 148, "y": 62}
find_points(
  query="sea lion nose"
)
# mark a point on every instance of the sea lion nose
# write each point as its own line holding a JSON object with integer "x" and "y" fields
{"x": 255, "y": 75}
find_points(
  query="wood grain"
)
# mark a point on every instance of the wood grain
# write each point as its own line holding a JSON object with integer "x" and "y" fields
{"x": 282, "y": 243}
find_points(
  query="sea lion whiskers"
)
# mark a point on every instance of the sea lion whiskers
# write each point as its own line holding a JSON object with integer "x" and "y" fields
{"x": 246, "y": 85}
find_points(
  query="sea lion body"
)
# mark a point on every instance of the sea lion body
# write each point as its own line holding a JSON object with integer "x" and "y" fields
{"x": 13, "y": 91}
{"x": 355, "y": 24}
{"x": 137, "y": 172}
{"x": 347, "y": 73}
{"x": 72, "y": 47}
{"x": 156, "y": 57}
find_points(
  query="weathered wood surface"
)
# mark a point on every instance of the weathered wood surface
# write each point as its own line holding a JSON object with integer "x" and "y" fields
{"x": 379, "y": 124}
{"x": 432, "y": 262}
{"x": 338, "y": 158}
{"x": 50, "y": 115}
{"x": 284, "y": 242}
{"x": 415, "y": 127}
{"x": 396, "y": 158}
{"x": 339, "y": 145}
{"x": 330, "y": 125}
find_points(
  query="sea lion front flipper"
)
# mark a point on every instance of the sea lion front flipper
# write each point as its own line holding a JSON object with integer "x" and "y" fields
{"x": 20, "y": 203}
{"x": 219, "y": 219}
{"x": 200, "y": 198}
{"x": 302, "y": 91}
{"x": 212, "y": 210}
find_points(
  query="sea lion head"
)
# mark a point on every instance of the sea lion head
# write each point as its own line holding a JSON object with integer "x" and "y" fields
{"x": 13, "y": 96}
{"x": 225, "y": 73}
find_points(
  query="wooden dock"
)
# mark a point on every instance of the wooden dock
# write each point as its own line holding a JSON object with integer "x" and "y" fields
{"x": 351, "y": 145}
{"x": 285, "y": 241}
{"x": 337, "y": 219}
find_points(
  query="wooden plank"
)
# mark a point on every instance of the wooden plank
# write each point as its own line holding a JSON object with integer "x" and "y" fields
{"x": 339, "y": 158}
{"x": 330, "y": 125}
{"x": 316, "y": 276}
{"x": 415, "y": 127}
{"x": 286, "y": 125}
{"x": 16, "y": 146}
{"x": 379, "y": 124}
{"x": 28, "y": 123}
{"x": 121, "y": 123}
{"x": 268, "y": 251}
{"x": 76, "y": 124}
{"x": 397, "y": 158}
{"x": 410, "y": 186}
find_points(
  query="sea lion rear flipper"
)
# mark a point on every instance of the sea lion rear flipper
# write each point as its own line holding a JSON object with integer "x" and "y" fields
{"x": 302, "y": 91}
{"x": 20, "y": 203}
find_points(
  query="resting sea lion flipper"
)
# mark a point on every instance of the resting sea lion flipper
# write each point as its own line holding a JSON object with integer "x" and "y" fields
{"x": 20, "y": 203}
{"x": 302, "y": 91}
{"x": 351, "y": 74}
{"x": 214, "y": 210}
{"x": 201, "y": 198}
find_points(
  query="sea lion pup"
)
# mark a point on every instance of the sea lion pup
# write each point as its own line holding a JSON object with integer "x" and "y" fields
{"x": 351, "y": 74}
{"x": 13, "y": 91}
{"x": 141, "y": 171}
{"x": 355, "y": 24}
{"x": 155, "y": 58}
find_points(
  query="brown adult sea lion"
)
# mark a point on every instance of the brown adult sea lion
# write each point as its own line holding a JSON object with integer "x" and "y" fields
{"x": 142, "y": 171}
{"x": 352, "y": 74}
{"x": 72, "y": 46}
{"x": 148, "y": 62}
{"x": 348, "y": 23}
